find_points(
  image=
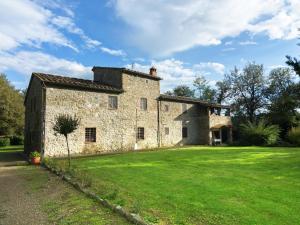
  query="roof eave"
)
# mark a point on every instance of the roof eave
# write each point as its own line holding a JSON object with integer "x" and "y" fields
{"x": 55, "y": 85}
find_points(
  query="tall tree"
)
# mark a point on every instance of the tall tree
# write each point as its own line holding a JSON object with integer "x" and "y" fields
{"x": 222, "y": 91}
{"x": 11, "y": 108}
{"x": 294, "y": 62}
{"x": 247, "y": 89}
{"x": 184, "y": 91}
{"x": 282, "y": 101}
{"x": 203, "y": 90}
{"x": 279, "y": 81}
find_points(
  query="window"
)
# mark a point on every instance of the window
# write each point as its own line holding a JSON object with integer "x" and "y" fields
{"x": 184, "y": 132}
{"x": 167, "y": 130}
{"x": 90, "y": 134}
{"x": 112, "y": 102}
{"x": 184, "y": 108}
{"x": 166, "y": 108}
{"x": 141, "y": 133}
{"x": 143, "y": 104}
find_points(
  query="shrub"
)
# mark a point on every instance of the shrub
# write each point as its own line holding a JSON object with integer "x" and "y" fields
{"x": 16, "y": 140}
{"x": 34, "y": 154}
{"x": 294, "y": 135}
{"x": 4, "y": 141}
{"x": 259, "y": 134}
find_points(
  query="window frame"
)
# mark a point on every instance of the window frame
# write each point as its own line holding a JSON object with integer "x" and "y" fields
{"x": 144, "y": 104}
{"x": 140, "y": 135}
{"x": 111, "y": 103}
{"x": 90, "y": 134}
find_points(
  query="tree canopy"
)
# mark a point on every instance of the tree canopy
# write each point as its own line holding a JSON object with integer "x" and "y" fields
{"x": 11, "y": 108}
{"x": 182, "y": 90}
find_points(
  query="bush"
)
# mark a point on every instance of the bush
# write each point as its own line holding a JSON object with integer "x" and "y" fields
{"x": 4, "y": 141}
{"x": 294, "y": 135}
{"x": 259, "y": 134}
{"x": 16, "y": 140}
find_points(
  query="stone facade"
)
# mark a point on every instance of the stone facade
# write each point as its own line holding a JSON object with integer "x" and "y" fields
{"x": 33, "y": 116}
{"x": 163, "y": 121}
{"x": 174, "y": 117}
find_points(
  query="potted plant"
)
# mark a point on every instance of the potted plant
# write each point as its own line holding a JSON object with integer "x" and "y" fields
{"x": 35, "y": 158}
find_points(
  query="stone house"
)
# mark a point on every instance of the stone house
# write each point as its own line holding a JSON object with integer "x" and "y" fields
{"x": 119, "y": 110}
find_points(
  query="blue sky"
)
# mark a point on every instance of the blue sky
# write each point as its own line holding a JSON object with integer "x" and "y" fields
{"x": 183, "y": 39}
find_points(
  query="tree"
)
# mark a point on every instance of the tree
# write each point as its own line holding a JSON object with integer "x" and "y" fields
{"x": 222, "y": 91}
{"x": 168, "y": 93}
{"x": 283, "y": 103}
{"x": 11, "y": 109}
{"x": 294, "y": 63}
{"x": 279, "y": 80}
{"x": 204, "y": 90}
{"x": 184, "y": 91}
{"x": 65, "y": 124}
{"x": 247, "y": 89}
{"x": 200, "y": 83}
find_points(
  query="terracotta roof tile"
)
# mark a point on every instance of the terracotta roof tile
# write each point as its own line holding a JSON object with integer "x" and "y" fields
{"x": 190, "y": 100}
{"x": 70, "y": 82}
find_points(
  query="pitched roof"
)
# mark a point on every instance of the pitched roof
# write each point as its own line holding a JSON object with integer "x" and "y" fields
{"x": 191, "y": 100}
{"x": 130, "y": 72}
{"x": 70, "y": 82}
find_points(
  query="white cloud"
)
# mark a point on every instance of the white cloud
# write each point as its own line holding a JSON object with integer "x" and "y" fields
{"x": 26, "y": 62}
{"x": 212, "y": 66}
{"x": 163, "y": 27}
{"x": 68, "y": 24}
{"x": 247, "y": 43}
{"x": 228, "y": 49}
{"x": 113, "y": 51}
{"x": 175, "y": 72}
{"x": 31, "y": 23}
{"x": 24, "y": 22}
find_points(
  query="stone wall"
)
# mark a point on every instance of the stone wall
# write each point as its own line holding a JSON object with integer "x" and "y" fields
{"x": 195, "y": 119}
{"x": 215, "y": 120}
{"x": 33, "y": 117}
{"x": 116, "y": 129}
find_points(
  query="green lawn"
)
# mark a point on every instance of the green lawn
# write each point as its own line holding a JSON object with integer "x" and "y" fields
{"x": 201, "y": 185}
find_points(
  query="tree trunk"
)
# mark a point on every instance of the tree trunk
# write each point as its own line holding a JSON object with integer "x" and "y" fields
{"x": 69, "y": 157}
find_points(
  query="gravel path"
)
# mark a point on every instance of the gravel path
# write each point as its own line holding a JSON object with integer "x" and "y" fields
{"x": 16, "y": 204}
{"x": 33, "y": 196}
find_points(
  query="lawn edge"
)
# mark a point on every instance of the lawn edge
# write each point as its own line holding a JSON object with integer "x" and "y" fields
{"x": 131, "y": 217}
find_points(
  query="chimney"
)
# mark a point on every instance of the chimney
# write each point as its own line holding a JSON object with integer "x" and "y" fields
{"x": 153, "y": 71}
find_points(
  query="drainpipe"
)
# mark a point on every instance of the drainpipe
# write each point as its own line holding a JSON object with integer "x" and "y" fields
{"x": 158, "y": 123}
{"x": 43, "y": 119}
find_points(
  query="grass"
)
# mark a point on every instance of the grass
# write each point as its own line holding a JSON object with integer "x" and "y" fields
{"x": 62, "y": 203}
{"x": 10, "y": 148}
{"x": 201, "y": 185}
{"x": 59, "y": 201}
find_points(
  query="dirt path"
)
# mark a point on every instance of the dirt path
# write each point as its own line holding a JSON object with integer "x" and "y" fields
{"x": 32, "y": 195}
{"x": 16, "y": 204}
